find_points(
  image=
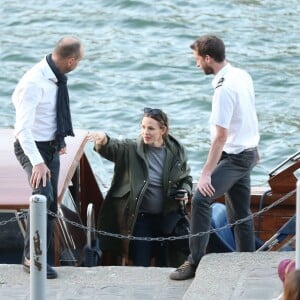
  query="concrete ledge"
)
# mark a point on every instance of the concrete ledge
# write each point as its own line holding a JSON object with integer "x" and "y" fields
{"x": 223, "y": 276}
{"x": 236, "y": 276}
{"x": 95, "y": 283}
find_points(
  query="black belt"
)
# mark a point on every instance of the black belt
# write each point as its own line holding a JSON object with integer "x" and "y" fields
{"x": 48, "y": 143}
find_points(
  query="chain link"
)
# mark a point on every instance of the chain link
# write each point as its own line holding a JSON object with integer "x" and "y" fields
{"x": 159, "y": 239}
{"x": 173, "y": 238}
{"x": 14, "y": 219}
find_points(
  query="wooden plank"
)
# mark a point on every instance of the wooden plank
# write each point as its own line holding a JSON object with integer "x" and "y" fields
{"x": 285, "y": 181}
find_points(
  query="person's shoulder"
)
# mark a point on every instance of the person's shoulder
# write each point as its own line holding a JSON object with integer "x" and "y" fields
{"x": 174, "y": 142}
{"x": 36, "y": 71}
{"x": 223, "y": 79}
{"x": 172, "y": 139}
{"x": 220, "y": 82}
{"x": 238, "y": 72}
{"x": 234, "y": 77}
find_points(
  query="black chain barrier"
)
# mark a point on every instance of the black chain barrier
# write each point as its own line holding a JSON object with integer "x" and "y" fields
{"x": 148, "y": 239}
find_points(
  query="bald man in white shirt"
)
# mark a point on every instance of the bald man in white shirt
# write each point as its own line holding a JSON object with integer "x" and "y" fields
{"x": 43, "y": 120}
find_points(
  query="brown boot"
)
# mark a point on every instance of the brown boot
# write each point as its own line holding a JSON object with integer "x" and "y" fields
{"x": 51, "y": 273}
{"x": 185, "y": 271}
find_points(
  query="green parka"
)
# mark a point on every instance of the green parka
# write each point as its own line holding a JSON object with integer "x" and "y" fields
{"x": 130, "y": 180}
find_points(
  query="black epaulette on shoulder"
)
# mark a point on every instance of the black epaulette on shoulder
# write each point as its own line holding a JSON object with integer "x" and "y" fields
{"x": 220, "y": 82}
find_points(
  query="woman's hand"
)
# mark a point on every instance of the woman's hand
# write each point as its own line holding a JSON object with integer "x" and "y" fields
{"x": 182, "y": 195}
{"x": 99, "y": 138}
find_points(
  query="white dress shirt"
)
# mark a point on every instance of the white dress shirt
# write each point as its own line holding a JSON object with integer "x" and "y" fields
{"x": 233, "y": 107}
{"x": 34, "y": 99}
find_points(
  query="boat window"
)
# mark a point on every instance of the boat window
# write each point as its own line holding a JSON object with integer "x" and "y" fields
{"x": 101, "y": 168}
{"x": 68, "y": 201}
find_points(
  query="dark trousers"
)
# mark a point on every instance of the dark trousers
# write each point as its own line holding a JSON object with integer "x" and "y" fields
{"x": 141, "y": 252}
{"x": 51, "y": 158}
{"x": 232, "y": 178}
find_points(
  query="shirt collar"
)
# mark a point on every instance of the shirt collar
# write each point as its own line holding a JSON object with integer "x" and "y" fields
{"x": 48, "y": 72}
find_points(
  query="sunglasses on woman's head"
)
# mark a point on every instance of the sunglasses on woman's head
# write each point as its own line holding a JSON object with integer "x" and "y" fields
{"x": 156, "y": 114}
{"x": 152, "y": 111}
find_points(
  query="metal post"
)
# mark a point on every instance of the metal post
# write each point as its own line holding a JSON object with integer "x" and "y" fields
{"x": 297, "y": 173}
{"x": 38, "y": 246}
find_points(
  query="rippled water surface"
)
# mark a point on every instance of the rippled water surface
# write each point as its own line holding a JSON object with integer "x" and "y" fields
{"x": 137, "y": 54}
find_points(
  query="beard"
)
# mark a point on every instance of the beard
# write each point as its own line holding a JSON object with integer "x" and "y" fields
{"x": 207, "y": 70}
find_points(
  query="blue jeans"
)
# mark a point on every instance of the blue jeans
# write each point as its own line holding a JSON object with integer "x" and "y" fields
{"x": 51, "y": 159}
{"x": 141, "y": 252}
{"x": 232, "y": 178}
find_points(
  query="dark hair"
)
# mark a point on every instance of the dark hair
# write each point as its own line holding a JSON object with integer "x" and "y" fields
{"x": 210, "y": 45}
{"x": 68, "y": 47}
{"x": 158, "y": 115}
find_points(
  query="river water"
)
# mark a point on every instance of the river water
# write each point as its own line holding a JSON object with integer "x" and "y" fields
{"x": 137, "y": 54}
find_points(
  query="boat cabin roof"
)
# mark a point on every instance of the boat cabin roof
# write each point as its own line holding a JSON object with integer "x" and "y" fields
{"x": 15, "y": 191}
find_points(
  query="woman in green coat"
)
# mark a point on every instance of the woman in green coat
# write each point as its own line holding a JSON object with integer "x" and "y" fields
{"x": 142, "y": 198}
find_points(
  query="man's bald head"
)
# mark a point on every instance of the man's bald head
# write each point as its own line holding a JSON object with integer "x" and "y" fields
{"x": 68, "y": 47}
{"x": 67, "y": 54}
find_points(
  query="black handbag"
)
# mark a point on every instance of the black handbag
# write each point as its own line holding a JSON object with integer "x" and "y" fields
{"x": 177, "y": 223}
